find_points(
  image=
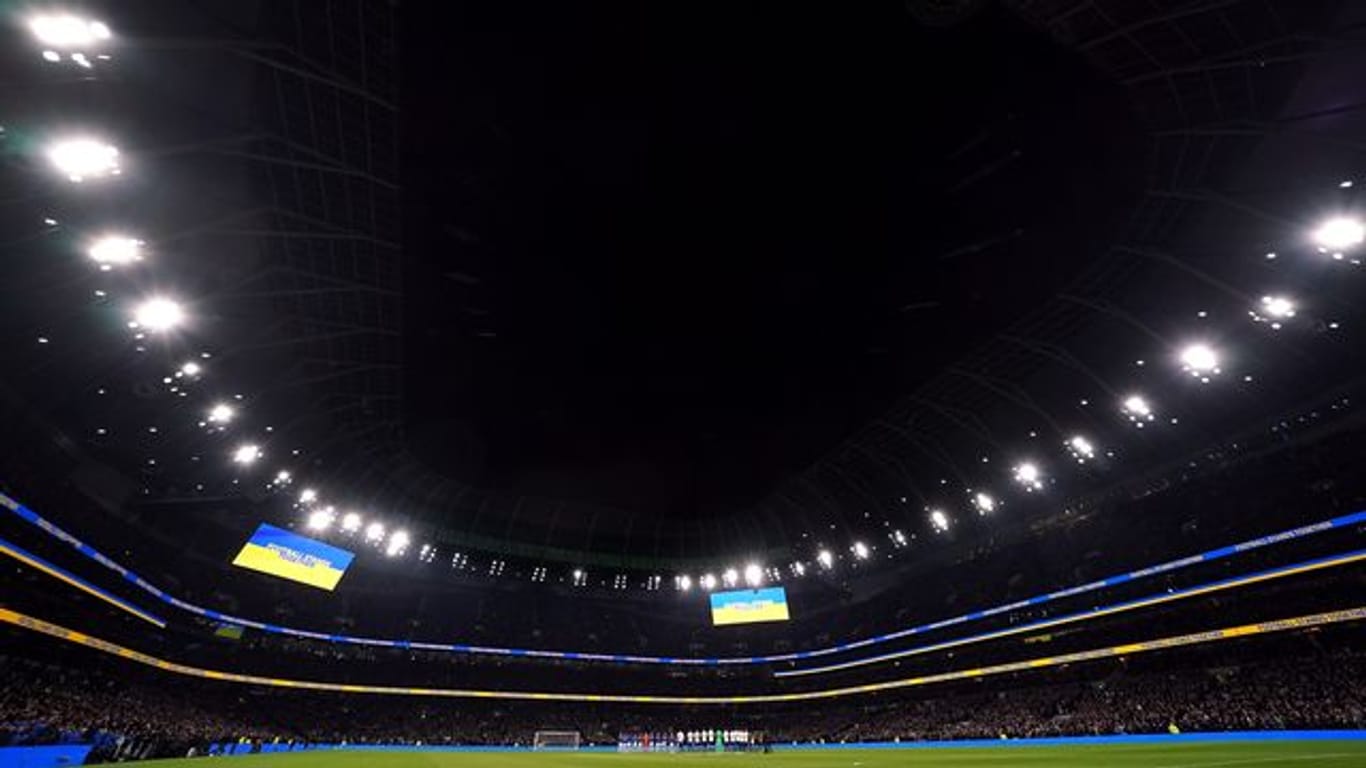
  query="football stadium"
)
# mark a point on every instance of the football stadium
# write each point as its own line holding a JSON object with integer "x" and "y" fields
{"x": 608, "y": 384}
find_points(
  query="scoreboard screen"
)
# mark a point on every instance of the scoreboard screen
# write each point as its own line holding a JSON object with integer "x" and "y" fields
{"x": 749, "y": 606}
{"x": 290, "y": 556}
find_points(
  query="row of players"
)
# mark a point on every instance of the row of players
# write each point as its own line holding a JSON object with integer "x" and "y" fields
{"x": 689, "y": 740}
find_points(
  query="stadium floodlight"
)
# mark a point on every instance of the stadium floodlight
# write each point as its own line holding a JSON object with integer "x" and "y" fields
{"x": 221, "y": 413}
{"x": 1082, "y": 450}
{"x": 683, "y": 582}
{"x": 83, "y": 158}
{"x": 308, "y": 496}
{"x": 826, "y": 559}
{"x": 1137, "y": 409}
{"x": 191, "y": 369}
{"x": 374, "y": 531}
{"x": 1200, "y": 361}
{"x": 984, "y": 503}
{"x": 798, "y": 569}
{"x": 351, "y": 522}
{"x": 730, "y": 577}
{"x": 64, "y": 31}
{"x": 398, "y": 543}
{"x": 939, "y": 520}
{"x": 860, "y": 550}
{"x": 111, "y": 251}
{"x": 898, "y": 538}
{"x": 1029, "y": 475}
{"x": 246, "y": 454}
{"x": 158, "y": 314}
{"x": 1273, "y": 310}
{"x": 708, "y": 582}
{"x": 754, "y": 575}
{"x": 1340, "y": 233}
{"x": 320, "y": 520}
{"x": 283, "y": 477}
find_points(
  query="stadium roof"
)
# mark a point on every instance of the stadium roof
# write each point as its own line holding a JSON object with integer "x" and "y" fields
{"x": 678, "y": 282}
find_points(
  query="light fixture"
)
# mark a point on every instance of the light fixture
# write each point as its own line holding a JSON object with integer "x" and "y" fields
{"x": 984, "y": 503}
{"x": 684, "y": 583}
{"x": 374, "y": 531}
{"x": 83, "y": 158}
{"x": 283, "y": 477}
{"x": 826, "y": 559}
{"x": 1082, "y": 449}
{"x": 221, "y": 413}
{"x": 731, "y": 577}
{"x": 308, "y": 496}
{"x": 939, "y": 520}
{"x": 398, "y": 543}
{"x": 708, "y": 582}
{"x": 319, "y": 520}
{"x": 191, "y": 369}
{"x": 1137, "y": 409}
{"x": 112, "y": 251}
{"x": 1029, "y": 475}
{"x": 1340, "y": 233}
{"x": 65, "y": 31}
{"x": 246, "y": 454}
{"x": 754, "y": 575}
{"x": 1273, "y": 310}
{"x": 350, "y": 522}
{"x": 798, "y": 569}
{"x": 860, "y": 550}
{"x": 158, "y": 315}
{"x": 1200, "y": 361}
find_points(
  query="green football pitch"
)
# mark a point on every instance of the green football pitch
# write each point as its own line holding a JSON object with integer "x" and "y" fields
{"x": 1307, "y": 754}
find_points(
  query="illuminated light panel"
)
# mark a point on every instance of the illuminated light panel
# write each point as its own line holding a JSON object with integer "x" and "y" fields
{"x": 860, "y": 550}
{"x": 708, "y": 582}
{"x": 1340, "y": 233}
{"x": 221, "y": 414}
{"x": 81, "y": 159}
{"x": 246, "y": 454}
{"x": 64, "y": 31}
{"x": 754, "y": 575}
{"x": 115, "y": 251}
{"x": 984, "y": 503}
{"x": 1081, "y": 449}
{"x": 731, "y": 577}
{"x": 1273, "y": 310}
{"x": 320, "y": 520}
{"x": 683, "y": 582}
{"x": 1138, "y": 411}
{"x": 939, "y": 520}
{"x": 308, "y": 496}
{"x": 398, "y": 543}
{"x": 374, "y": 531}
{"x": 826, "y": 559}
{"x": 1028, "y": 475}
{"x": 1200, "y": 361}
{"x": 351, "y": 522}
{"x": 158, "y": 315}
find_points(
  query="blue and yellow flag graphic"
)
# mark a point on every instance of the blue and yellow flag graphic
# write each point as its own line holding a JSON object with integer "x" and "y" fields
{"x": 290, "y": 556}
{"x": 749, "y": 606}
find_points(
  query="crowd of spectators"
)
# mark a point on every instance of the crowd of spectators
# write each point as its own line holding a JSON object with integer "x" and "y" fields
{"x": 45, "y": 704}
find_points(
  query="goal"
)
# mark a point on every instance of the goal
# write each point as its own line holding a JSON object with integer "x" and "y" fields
{"x": 556, "y": 740}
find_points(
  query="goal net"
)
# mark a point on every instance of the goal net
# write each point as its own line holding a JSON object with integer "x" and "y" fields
{"x": 556, "y": 740}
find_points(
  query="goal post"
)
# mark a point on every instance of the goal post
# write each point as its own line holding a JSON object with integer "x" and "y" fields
{"x": 556, "y": 740}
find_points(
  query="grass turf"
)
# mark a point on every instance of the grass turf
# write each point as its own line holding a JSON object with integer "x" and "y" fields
{"x": 1302, "y": 754}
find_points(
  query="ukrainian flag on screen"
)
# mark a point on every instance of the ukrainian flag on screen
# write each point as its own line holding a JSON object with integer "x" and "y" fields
{"x": 290, "y": 556}
{"x": 748, "y": 606}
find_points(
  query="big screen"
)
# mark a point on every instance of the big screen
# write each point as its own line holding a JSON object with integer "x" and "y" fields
{"x": 290, "y": 556}
{"x": 748, "y": 606}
